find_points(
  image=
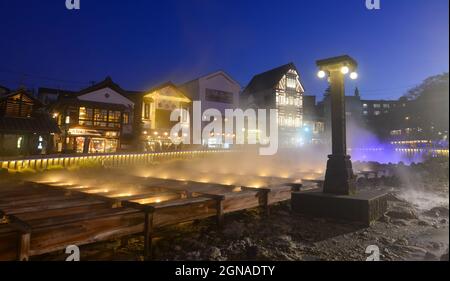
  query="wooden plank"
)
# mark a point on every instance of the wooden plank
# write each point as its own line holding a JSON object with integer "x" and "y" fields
{"x": 35, "y": 200}
{"x": 190, "y": 185}
{"x": 162, "y": 197}
{"x": 184, "y": 210}
{"x": 29, "y": 195}
{"x": 80, "y": 218}
{"x": 67, "y": 219}
{"x": 113, "y": 202}
{"x": 92, "y": 206}
{"x": 37, "y": 207}
{"x": 54, "y": 238}
{"x": 23, "y": 251}
{"x": 8, "y": 243}
{"x": 143, "y": 196}
{"x": 148, "y": 234}
{"x": 22, "y": 230}
{"x": 219, "y": 210}
{"x": 240, "y": 201}
{"x": 279, "y": 194}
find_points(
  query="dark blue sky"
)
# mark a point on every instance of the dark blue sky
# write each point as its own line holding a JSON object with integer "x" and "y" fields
{"x": 143, "y": 43}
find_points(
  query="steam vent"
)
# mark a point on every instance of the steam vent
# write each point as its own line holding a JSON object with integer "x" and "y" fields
{"x": 338, "y": 197}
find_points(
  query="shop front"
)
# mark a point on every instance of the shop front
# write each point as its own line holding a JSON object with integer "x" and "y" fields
{"x": 93, "y": 141}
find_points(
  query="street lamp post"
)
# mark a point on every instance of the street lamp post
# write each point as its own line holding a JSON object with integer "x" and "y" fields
{"x": 339, "y": 199}
{"x": 339, "y": 177}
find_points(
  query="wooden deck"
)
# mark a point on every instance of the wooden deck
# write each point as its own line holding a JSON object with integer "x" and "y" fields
{"x": 43, "y": 217}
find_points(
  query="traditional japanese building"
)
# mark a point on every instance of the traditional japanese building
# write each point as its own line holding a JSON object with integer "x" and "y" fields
{"x": 216, "y": 90}
{"x": 279, "y": 88}
{"x": 152, "y": 113}
{"x": 98, "y": 119}
{"x": 25, "y": 128}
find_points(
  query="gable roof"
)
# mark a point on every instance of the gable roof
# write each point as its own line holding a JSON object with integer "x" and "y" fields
{"x": 106, "y": 83}
{"x": 269, "y": 79}
{"x": 212, "y": 74}
{"x": 23, "y": 92}
{"x": 182, "y": 96}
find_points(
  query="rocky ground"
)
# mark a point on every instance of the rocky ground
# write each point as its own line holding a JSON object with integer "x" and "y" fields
{"x": 405, "y": 233}
{"x": 416, "y": 227}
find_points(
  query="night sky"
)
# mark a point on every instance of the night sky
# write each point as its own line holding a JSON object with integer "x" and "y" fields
{"x": 144, "y": 43}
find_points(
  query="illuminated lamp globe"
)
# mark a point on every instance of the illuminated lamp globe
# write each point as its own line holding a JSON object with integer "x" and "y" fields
{"x": 321, "y": 74}
{"x": 354, "y": 75}
{"x": 345, "y": 70}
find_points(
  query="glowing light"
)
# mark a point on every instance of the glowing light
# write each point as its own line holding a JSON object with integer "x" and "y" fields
{"x": 345, "y": 70}
{"x": 237, "y": 189}
{"x": 354, "y": 75}
{"x": 158, "y": 200}
{"x": 321, "y": 74}
{"x": 122, "y": 195}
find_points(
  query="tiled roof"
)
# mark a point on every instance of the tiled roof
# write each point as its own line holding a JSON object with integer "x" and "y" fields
{"x": 40, "y": 123}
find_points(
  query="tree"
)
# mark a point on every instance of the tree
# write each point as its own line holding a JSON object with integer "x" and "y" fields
{"x": 428, "y": 106}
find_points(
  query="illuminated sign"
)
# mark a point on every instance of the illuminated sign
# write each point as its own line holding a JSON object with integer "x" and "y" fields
{"x": 79, "y": 132}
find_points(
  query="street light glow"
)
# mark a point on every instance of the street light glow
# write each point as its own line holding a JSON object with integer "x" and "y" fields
{"x": 345, "y": 70}
{"x": 321, "y": 74}
{"x": 354, "y": 75}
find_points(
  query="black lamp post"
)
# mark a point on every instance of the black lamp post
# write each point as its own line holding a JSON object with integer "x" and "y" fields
{"x": 339, "y": 177}
{"x": 339, "y": 198}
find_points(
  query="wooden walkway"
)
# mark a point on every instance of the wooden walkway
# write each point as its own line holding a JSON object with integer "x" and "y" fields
{"x": 43, "y": 217}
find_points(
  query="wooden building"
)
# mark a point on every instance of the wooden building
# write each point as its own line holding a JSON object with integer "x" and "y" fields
{"x": 25, "y": 128}
{"x": 98, "y": 119}
{"x": 279, "y": 88}
{"x": 153, "y": 109}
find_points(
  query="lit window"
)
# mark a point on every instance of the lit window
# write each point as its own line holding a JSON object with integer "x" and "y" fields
{"x": 365, "y": 105}
{"x": 377, "y": 105}
{"x": 291, "y": 82}
{"x": 85, "y": 116}
{"x": 19, "y": 142}
{"x": 100, "y": 117}
{"x": 114, "y": 119}
{"x": 126, "y": 119}
{"x": 146, "y": 111}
